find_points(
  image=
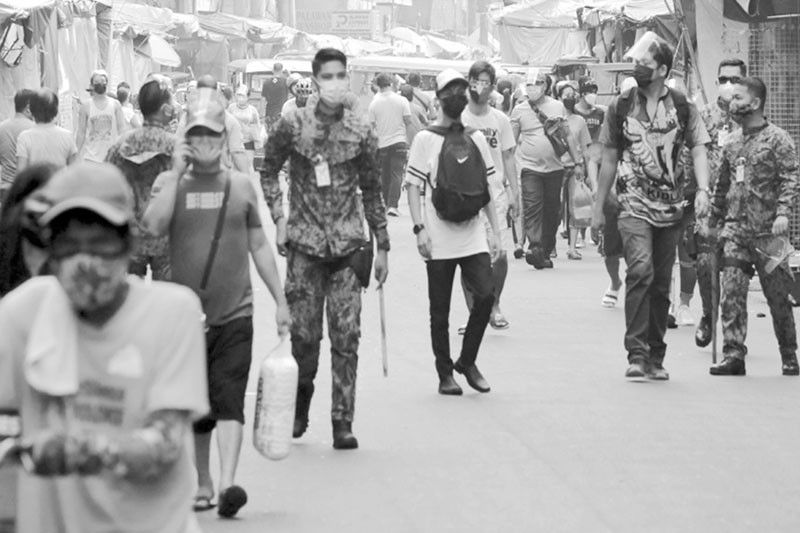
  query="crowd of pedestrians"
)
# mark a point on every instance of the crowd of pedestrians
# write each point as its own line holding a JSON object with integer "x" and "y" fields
{"x": 111, "y": 373}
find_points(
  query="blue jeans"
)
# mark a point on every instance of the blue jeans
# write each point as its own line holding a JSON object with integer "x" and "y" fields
{"x": 649, "y": 254}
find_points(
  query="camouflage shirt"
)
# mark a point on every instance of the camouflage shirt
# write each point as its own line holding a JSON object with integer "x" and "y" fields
{"x": 758, "y": 181}
{"x": 326, "y": 221}
{"x": 142, "y": 154}
{"x": 720, "y": 128}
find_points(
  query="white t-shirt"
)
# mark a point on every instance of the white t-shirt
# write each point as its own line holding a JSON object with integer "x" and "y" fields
{"x": 386, "y": 111}
{"x": 496, "y": 127}
{"x": 449, "y": 240}
{"x": 150, "y": 356}
{"x": 535, "y": 151}
{"x": 289, "y": 106}
{"x": 46, "y": 144}
{"x": 102, "y": 130}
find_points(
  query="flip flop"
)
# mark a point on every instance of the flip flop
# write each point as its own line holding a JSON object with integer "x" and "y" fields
{"x": 498, "y": 321}
{"x": 202, "y": 503}
{"x": 610, "y": 298}
{"x": 231, "y": 500}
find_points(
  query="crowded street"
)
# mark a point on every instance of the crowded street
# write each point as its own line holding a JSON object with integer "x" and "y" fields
{"x": 562, "y": 443}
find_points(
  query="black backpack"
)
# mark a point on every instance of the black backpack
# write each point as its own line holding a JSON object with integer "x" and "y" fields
{"x": 462, "y": 187}
{"x": 624, "y": 105}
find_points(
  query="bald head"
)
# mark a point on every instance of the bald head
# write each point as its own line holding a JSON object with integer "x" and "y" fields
{"x": 207, "y": 82}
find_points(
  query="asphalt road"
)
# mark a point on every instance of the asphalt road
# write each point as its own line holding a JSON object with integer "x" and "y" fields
{"x": 562, "y": 443}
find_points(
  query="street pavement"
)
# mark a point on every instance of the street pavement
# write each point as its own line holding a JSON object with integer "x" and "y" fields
{"x": 562, "y": 442}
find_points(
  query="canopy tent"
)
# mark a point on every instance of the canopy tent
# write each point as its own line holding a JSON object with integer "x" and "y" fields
{"x": 21, "y": 8}
{"x": 635, "y": 10}
{"x": 539, "y": 32}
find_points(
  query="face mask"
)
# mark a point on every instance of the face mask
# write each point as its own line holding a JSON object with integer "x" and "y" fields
{"x": 725, "y": 96}
{"x": 454, "y": 105}
{"x": 480, "y": 93}
{"x": 740, "y": 112}
{"x": 90, "y": 281}
{"x": 535, "y": 92}
{"x": 332, "y": 92}
{"x": 569, "y": 103}
{"x": 99, "y": 88}
{"x": 643, "y": 75}
{"x": 591, "y": 98}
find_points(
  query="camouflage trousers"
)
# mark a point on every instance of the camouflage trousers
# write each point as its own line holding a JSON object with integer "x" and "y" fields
{"x": 313, "y": 284}
{"x": 737, "y": 269}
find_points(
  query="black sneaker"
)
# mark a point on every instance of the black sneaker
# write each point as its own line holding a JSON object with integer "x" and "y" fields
{"x": 657, "y": 372}
{"x": 535, "y": 257}
{"x": 671, "y": 322}
{"x": 790, "y": 366}
{"x": 702, "y": 337}
{"x": 730, "y": 366}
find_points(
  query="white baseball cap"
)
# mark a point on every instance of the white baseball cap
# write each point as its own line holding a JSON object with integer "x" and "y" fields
{"x": 448, "y": 76}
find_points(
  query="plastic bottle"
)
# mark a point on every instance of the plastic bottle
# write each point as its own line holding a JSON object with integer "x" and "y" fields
{"x": 275, "y": 402}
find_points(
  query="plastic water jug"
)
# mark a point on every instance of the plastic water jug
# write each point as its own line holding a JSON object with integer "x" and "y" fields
{"x": 275, "y": 402}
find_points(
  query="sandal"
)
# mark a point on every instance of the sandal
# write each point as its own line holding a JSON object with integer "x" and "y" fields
{"x": 231, "y": 500}
{"x": 202, "y": 503}
{"x": 575, "y": 256}
{"x": 610, "y": 297}
{"x": 498, "y": 321}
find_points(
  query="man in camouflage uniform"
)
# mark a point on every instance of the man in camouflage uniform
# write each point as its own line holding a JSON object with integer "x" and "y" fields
{"x": 720, "y": 127}
{"x": 332, "y": 154}
{"x": 757, "y": 186}
{"x": 142, "y": 154}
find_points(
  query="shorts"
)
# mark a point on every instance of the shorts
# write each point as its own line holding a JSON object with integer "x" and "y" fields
{"x": 612, "y": 240}
{"x": 229, "y": 350}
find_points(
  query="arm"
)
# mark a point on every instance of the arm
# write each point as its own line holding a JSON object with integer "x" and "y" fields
{"x": 723, "y": 185}
{"x": 80, "y": 132}
{"x": 700, "y": 159}
{"x": 510, "y": 170}
{"x": 370, "y": 183}
{"x": 264, "y": 260}
{"x": 136, "y": 122}
{"x": 788, "y": 176}
{"x": 424, "y": 245}
{"x": 158, "y": 215}
{"x": 277, "y": 150}
{"x": 122, "y": 124}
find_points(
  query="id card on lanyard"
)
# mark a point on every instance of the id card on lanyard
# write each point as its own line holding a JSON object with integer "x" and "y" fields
{"x": 321, "y": 171}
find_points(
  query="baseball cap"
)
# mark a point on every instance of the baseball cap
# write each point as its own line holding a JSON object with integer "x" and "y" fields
{"x": 97, "y": 187}
{"x": 448, "y": 76}
{"x": 206, "y": 111}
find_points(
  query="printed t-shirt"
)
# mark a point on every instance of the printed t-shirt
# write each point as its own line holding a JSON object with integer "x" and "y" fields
{"x": 650, "y": 180}
{"x": 386, "y": 111}
{"x": 228, "y": 295}
{"x": 9, "y": 133}
{"x": 579, "y": 131}
{"x": 46, "y": 144}
{"x": 449, "y": 240}
{"x": 535, "y": 151}
{"x": 496, "y": 128}
{"x": 594, "y": 120}
{"x": 102, "y": 130}
{"x": 149, "y": 356}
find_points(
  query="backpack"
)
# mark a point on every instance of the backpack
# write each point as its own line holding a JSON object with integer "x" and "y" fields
{"x": 462, "y": 187}
{"x": 624, "y": 106}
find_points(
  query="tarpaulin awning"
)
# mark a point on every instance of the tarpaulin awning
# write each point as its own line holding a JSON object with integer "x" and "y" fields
{"x": 233, "y": 26}
{"x": 140, "y": 19}
{"x": 161, "y": 51}
{"x": 21, "y": 8}
{"x": 636, "y": 10}
{"x": 539, "y": 14}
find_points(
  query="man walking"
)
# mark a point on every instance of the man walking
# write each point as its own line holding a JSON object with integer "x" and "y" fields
{"x": 106, "y": 372}
{"x": 542, "y": 170}
{"x": 100, "y": 121}
{"x": 755, "y": 195}
{"x": 720, "y": 126}
{"x": 643, "y": 133}
{"x": 331, "y": 151}
{"x": 454, "y": 164}
{"x": 211, "y": 216}
{"x": 390, "y": 115}
{"x": 9, "y": 132}
{"x": 496, "y": 128}
{"x": 142, "y": 154}
{"x": 274, "y": 93}
{"x": 46, "y": 143}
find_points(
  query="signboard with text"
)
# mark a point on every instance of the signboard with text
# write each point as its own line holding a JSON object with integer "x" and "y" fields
{"x": 353, "y": 23}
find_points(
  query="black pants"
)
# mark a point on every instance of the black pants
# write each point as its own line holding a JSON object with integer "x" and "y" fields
{"x": 541, "y": 203}
{"x": 476, "y": 273}
{"x": 392, "y": 161}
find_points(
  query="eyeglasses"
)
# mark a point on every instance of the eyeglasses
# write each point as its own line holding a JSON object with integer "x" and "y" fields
{"x": 729, "y": 79}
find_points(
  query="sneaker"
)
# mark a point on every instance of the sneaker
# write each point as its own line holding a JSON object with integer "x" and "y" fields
{"x": 519, "y": 253}
{"x": 657, "y": 372}
{"x": 684, "y": 316}
{"x": 393, "y": 212}
{"x": 671, "y": 323}
{"x": 636, "y": 370}
{"x": 574, "y": 255}
{"x": 702, "y": 337}
{"x": 790, "y": 366}
{"x": 462, "y": 329}
{"x": 580, "y": 244}
{"x": 730, "y": 366}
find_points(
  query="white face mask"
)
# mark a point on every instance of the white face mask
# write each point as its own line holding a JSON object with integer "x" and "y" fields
{"x": 333, "y": 92}
{"x": 591, "y": 98}
{"x": 535, "y": 92}
{"x": 725, "y": 95}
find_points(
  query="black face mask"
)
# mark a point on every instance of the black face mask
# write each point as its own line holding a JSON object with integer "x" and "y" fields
{"x": 740, "y": 113}
{"x": 643, "y": 76}
{"x": 454, "y": 104}
{"x": 569, "y": 103}
{"x": 99, "y": 88}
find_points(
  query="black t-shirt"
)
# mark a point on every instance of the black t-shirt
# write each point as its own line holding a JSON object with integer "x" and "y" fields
{"x": 276, "y": 92}
{"x": 594, "y": 120}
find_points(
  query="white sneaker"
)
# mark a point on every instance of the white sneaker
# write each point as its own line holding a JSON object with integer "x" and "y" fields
{"x": 393, "y": 212}
{"x": 684, "y": 316}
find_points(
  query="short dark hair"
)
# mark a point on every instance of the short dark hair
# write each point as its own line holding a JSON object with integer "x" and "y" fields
{"x": 586, "y": 85}
{"x": 662, "y": 53}
{"x": 733, "y": 62}
{"x": 479, "y": 67}
{"x": 23, "y": 99}
{"x": 414, "y": 79}
{"x": 326, "y": 55}
{"x": 152, "y": 97}
{"x": 207, "y": 82}
{"x": 123, "y": 91}
{"x": 407, "y": 91}
{"x": 756, "y": 87}
{"x": 277, "y": 67}
{"x": 383, "y": 80}
{"x": 44, "y": 106}
{"x": 227, "y": 92}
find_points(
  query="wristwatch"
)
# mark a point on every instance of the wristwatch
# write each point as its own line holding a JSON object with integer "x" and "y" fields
{"x": 417, "y": 228}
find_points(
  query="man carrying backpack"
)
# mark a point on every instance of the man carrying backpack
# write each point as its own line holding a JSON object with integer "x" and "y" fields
{"x": 456, "y": 164}
{"x": 643, "y": 133}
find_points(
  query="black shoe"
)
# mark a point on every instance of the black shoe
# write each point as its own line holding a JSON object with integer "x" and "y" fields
{"x": 548, "y": 263}
{"x": 730, "y": 366}
{"x": 343, "y": 438}
{"x": 449, "y": 387}
{"x": 535, "y": 257}
{"x": 671, "y": 322}
{"x": 302, "y": 405}
{"x": 474, "y": 377}
{"x": 519, "y": 253}
{"x": 790, "y": 366}
{"x": 657, "y": 372}
{"x": 702, "y": 337}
